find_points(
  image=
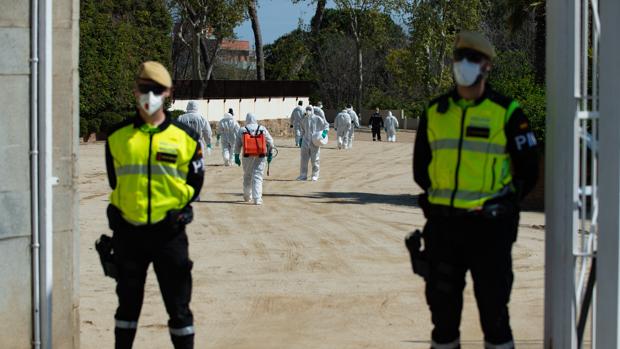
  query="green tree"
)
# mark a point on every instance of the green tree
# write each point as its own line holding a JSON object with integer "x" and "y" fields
{"x": 423, "y": 69}
{"x": 203, "y": 25}
{"x": 513, "y": 76}
{"x": 519, "y": 11}
{"x": 287, "y": 57}
{"x": 115, "y": 37}
{"x": 360, "y": 14}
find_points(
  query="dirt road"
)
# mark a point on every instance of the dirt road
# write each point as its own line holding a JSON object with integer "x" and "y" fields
{"x": 319, "y": 265}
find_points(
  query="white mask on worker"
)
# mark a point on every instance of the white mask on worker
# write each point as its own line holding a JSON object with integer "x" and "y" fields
{"x": 466, "y": 73}
{"x": 150, "y": 102}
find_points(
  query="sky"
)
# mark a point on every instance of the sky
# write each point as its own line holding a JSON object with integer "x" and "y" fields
{"x": 278, "y": 17}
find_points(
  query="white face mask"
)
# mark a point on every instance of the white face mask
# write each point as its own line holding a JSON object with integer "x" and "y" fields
{"x": 150, "y": 102}
{"x": 466, "y": 73}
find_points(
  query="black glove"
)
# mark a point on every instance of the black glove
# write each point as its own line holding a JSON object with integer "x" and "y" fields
{"x": 500, "y": 207}
{"x": 178, "y": 219}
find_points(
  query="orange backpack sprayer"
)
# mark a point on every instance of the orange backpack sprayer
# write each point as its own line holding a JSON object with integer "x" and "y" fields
{"x": 254, "y": 145}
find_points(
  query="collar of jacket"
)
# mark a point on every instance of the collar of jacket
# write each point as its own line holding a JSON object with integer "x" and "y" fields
{"x": 444, "y": 103}
{"x": 138, "y": 121}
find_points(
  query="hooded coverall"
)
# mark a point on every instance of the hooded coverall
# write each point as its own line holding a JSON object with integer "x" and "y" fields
{"x": 227, "y": 128}
{"x": 253, "y": 167}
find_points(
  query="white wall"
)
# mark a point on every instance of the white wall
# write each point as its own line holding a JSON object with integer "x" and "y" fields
{"x": 264, "y": 108}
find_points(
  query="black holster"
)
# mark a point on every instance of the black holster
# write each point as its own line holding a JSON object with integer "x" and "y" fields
{"x": 419, "y": 258}
{"x": 103, "y": 245}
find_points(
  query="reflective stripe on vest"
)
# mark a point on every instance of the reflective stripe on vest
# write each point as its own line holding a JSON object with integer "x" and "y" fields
{"x": 156, "y": 169}
{"x": 151, "y": 172}
{"x": 469, "y": 163}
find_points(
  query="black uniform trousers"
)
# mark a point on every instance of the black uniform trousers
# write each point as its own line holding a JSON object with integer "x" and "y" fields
{"x": 483, "y": 246}
{"x": 376, "y": 132}
{"x": 167, "y": 248}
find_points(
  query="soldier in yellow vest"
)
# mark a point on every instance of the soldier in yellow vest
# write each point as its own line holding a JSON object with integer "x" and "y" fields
{"x": 156, "y": 170}
{"x": 475, "y": 157}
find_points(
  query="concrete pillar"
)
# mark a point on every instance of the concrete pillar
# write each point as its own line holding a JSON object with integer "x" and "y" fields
{"x": 15, "y": 206}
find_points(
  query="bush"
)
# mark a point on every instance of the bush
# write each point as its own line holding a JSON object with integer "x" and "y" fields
{"x": 94, "y": 125}
{"x": 174, "y": 114}
{"x": 128, "y": 114}
{"x": 83, "y": 127}
{"x": 513, "y": 76}
{"x": 108, "y": 120}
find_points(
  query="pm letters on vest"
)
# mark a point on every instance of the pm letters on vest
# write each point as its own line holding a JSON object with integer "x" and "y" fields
{"x": 527, "y": 139}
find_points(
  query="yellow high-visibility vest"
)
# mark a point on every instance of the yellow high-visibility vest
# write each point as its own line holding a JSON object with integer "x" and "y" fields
{"x": 470, "y": 163}
{"x": 151, "y": 168}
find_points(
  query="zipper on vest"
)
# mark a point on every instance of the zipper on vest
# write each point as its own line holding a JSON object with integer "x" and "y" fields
{"x": 493, "y": 173}
{"x": 148, "y": 171}
{"x": 458, "y": 159}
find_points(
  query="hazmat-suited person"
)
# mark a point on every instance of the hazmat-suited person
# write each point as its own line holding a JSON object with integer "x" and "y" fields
{"x": 342, "y": 124}
{"x": 296, "y": 116}
{"x": 318, "y": 110}
{"x": 314, "y": 131}
{"x": 227, "y": 130}
{"x": 391, "y": 125}
{"x": 355, "y": 123}
{"x": 253, "y": 166}
{"x": 199, "y": 124}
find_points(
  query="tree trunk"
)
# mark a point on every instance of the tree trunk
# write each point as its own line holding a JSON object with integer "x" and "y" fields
{"x": 314, "y": 38}
{"x": 540, "y": 44}
{"x": 258, "y": 40}
{"x": 318, "y": 18}
{"x": 209, "y": 60}
{"x": 360, "y": 74}
{"x": 196, "y": 74}
{"x": 355, "y": 28}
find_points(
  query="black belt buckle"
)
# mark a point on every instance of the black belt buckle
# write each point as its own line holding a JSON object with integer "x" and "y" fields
{"x": 419, "y": 258}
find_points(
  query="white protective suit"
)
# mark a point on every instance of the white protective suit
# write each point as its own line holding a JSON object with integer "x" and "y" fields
{"x": 310, "y": 124}
{"x": 296, "y": 116}
{"x": 391, "y": 124}
{"x": 342, "y": 124}
{"x": 355, "y": 123}
{"x": 227, "y": 129}
{"x": 253, "y": 167}
{"x": 199, "y": 124}
{"x": 319, "y": 111}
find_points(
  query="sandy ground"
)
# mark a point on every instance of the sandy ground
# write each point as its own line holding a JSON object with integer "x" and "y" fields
{"x": 319, "y": 265}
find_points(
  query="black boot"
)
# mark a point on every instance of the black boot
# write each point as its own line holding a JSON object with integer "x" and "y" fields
{"x": 124, "y": 337}
{"x": 183, "y": 342}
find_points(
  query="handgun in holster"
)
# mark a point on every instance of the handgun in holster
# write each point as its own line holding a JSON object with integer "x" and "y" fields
{"x": 103, "y": 245}
{"x": 419, "y": 258}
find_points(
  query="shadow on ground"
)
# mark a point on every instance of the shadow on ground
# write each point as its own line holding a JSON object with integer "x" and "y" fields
{"x": 357, "y": 198}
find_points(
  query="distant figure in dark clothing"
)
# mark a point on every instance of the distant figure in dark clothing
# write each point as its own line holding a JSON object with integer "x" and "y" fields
{"x": 376, "y": 124}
